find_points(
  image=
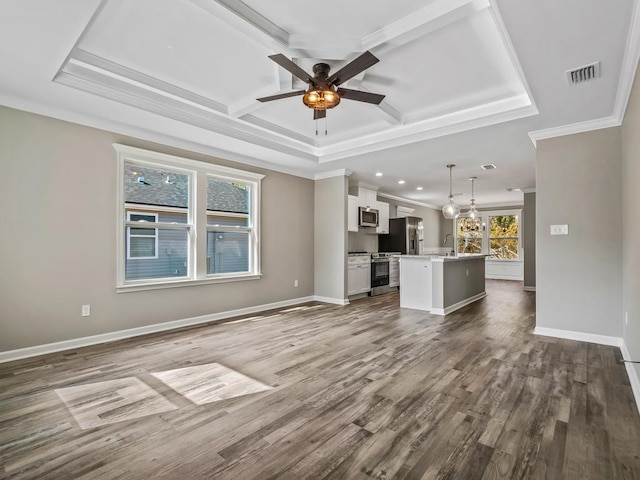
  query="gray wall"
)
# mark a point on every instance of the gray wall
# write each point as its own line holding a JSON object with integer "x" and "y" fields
{"x": 331, "y": 238}
{"x": 58, "y": 211}
{"x": 529, "y": 239}
{"x": 631, "y": 224}
{"x": 580, "y": 274}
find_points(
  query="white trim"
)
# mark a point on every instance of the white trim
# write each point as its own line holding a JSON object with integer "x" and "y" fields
{"x": 459, "y": 305}
{"x": 629, "y": 65}
{"x": 17, "y": 354}
{"x": 171, "y": 282}
{"x": 528, "y": 190}
{"x": 334, "y": 301}
{"x": 406, "y": 200}
{"x": 632, "y": 373}
{"x": 342, "y": 172}
{"x": 529, "y": 289}
{"x": 579, "y": 336}
{"x": 573, "y": 128}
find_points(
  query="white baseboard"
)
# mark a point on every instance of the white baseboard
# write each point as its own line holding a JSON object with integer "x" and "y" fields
{"x": 529, "y": 289}
{"x": 11, "y": 355}
{"x": 459, "y": 305}
{"x": 579, "y": 336}
{"x": 633, "y": 375}
{"x": 335, "y": 301}
{"x": 496, "y": 276}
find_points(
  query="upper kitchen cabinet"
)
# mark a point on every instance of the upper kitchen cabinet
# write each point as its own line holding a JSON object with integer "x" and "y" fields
{"x": 352, "y": 214}
{"x": 383, "y": 217}
{"x": 367, "y": 198}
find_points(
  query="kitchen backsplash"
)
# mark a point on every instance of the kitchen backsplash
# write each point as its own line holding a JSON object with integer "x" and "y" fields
{"x": 362, "y": 242}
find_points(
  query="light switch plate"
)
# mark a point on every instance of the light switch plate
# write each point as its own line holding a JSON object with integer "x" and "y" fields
{"x": 559, "y": 229}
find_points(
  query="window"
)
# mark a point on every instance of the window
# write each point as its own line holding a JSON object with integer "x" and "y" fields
{"x": 167, "y": 203}
{"x": 468, "y": 236}
{"x": 504, "y": 234}
{"x": 142, "y": 242}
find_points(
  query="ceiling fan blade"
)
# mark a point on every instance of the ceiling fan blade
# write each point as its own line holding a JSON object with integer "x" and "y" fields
{"x": 291, "y": 67}
{"x": 319, "y": 114}
{"x": 360, "y": 96}
{"x": 281, "y": 95}
{"x": 352, "y": 69}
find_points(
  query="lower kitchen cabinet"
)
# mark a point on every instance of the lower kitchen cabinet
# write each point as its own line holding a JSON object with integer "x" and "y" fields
{"x": 359, "y": 275}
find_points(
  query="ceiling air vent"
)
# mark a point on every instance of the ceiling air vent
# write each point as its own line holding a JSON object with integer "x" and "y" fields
{"x": 583, "y": 74}
{"x": 488, "y": 166}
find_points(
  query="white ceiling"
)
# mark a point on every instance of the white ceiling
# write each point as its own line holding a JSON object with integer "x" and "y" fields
{"x": 468, "y": 82}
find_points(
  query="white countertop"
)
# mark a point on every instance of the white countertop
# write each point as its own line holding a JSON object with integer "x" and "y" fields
{"x": 442, "y": 258}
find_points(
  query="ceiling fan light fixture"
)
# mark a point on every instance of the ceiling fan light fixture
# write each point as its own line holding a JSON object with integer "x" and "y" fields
{"x": 321, "y": 98}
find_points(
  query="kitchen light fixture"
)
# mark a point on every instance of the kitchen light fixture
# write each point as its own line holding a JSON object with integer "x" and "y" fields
{"x": 473, "y": 213}
{"x": 475, "y": 219}
{"x": 378, "y": 174}
{"x": 418, "y": 188}
{"x": 401, "y": 182}
{"x": 451, "y": 210}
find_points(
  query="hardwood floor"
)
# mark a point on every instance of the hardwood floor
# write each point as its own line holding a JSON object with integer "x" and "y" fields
{"x": 365, "y": 391}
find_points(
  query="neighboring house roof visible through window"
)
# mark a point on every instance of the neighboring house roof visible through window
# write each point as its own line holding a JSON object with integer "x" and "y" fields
{"x": 149, "y": 186}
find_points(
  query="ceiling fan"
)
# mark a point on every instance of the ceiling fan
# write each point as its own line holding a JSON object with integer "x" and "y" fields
{"x": 323, "y": 92}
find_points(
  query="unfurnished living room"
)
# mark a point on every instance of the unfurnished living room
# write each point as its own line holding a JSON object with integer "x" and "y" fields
{"x": 338, "y": 240}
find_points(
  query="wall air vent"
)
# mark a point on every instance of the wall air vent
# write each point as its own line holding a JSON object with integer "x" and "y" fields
{"x": 583, "y": 74}
{"x": 488, "y": 166}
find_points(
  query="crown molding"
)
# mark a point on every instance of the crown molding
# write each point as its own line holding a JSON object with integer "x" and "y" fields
{"x": 580, "y": 127}
{"x": 135, "y": 132}
{"x": 629, "y": 65}
{"x": 407, "y": 200}
{"x": 342, "y": 172}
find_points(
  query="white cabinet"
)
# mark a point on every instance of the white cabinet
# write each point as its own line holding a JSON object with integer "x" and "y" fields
{"x": 383, "y": 217}
{"x": 352, "y": 214}
{"x": 367, "y": 198}
{"x": 359, "y": 275}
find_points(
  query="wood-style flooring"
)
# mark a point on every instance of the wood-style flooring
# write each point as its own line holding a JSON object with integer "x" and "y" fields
{"x": 363, "y": 391}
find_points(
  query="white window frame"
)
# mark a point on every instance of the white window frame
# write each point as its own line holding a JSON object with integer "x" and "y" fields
{"x": 196, "y": 225}
{"x": 497, "y": 213}
{"x": 484, "y": 215}
{"x": 129, "y": 235}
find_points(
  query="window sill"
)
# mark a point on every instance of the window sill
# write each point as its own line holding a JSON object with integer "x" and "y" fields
{"x": 504, "y": 260}
{"x": 137, "y": 287}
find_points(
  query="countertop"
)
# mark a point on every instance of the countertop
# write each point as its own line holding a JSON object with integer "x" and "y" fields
{"x": 443, "y": 258}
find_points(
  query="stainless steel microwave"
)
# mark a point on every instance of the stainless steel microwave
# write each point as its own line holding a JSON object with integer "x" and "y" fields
{"x": 368, "y": 217}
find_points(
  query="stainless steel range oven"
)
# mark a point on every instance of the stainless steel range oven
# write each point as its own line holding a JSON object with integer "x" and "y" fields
{"x": 380, "y": 270}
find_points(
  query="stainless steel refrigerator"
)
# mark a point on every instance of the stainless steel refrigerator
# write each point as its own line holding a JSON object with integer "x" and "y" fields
{"x": 405, "y": 236}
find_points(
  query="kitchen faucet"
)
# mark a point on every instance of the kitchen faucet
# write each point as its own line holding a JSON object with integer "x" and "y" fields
{"x": 446, "y": 237}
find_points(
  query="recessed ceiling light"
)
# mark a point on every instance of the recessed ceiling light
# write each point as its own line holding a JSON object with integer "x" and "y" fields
{"x": 400, "y": 182}
{"x": 378, "y": 174}
{"x": 419, "y": 188}
{"x": 489, "y": 166}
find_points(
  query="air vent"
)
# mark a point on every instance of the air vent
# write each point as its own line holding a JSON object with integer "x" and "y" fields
{"x": 583, "y": 74}
{"x": 489, "y": 166}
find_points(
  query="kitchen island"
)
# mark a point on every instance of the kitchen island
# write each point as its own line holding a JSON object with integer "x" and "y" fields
{"x": 439, "y": 284}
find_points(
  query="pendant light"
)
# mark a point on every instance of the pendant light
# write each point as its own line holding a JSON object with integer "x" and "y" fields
{"x": 451, "y": 210}
{"x": 473, "y": 218}
{"x": 473, "y": 213}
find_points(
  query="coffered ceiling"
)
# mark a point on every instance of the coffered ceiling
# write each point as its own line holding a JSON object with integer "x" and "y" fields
{"x": 465, "y": 81}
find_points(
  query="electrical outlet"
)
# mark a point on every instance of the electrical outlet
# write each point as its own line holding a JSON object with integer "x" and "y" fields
{"x": 467, "y": 272}
{"x": 559, "y": 229}
{"x": 86, "y": 310}
{"x": 295, "y": 283}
